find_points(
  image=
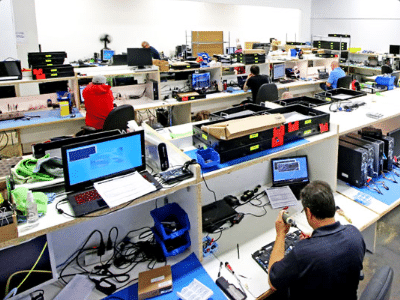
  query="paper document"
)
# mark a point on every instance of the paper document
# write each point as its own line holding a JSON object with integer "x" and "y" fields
{"x": 124, "y": 188}
{"x": 79, "y": 287}
{"x": 281, "y": 196}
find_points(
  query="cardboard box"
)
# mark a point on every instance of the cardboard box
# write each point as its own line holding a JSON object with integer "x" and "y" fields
{"x": 237, "y": 128}
{"x": 253, "y": 51}
{"x": 154, "y": 282}
{"x": 8, "y": 232}
{"x": 162, "y": 65}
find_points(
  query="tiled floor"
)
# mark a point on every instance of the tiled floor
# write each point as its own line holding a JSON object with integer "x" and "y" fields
{"x": 387, "y": 251}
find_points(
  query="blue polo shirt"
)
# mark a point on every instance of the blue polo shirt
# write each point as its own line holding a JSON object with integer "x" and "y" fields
{"x": 325, "y": 266}
{"x": 334, "y": 76}
{"x": 154, "y": 53}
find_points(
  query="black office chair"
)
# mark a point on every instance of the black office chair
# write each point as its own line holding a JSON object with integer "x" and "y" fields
{"x": 396, "y": 76}
{"x": 267, "y": 92}
{"x": 117, "y": 119}
{"x": 378, "y": 288}
{"x": 386, "y": 69}
{"x": 344, "y": 82}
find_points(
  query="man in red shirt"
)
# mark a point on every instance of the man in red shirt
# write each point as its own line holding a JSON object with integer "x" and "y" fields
{"x": 98, "y": 102}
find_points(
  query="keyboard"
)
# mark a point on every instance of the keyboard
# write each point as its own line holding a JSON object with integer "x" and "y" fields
{"x": 286, "y": 80}
{"x": 262, "y": 256}
{"x": 88, "y": 196}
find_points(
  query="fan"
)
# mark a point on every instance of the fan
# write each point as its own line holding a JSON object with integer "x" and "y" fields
{"x": 106, "y": 39}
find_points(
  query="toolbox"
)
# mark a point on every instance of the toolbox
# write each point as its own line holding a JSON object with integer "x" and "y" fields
{"x": 46, "y": 58}
{"x": 244, "y": 110}
{"x": 301, "y": 121}
{"x": 44, "y": 72}
{"x": 339, "y": 94}
{"x": 303, "y": 100}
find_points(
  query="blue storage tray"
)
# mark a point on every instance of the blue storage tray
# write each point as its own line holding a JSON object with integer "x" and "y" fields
{"x": 207, "y": 158}
{"x": 168, "y": 213}
{"x": 164, "y": 243}
{"x": 386, "y": 81}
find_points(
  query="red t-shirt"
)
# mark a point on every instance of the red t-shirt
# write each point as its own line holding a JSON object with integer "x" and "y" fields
{"x": 98, "y": 103}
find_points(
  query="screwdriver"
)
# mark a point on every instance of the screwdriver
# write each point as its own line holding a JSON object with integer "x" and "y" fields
{"x": 228, "y": 266}
{"x": 341, "y": 213}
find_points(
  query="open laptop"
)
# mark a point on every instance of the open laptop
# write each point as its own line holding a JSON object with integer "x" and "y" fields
{"x": 290, "y": 171}
{"x": 92, "y": 161}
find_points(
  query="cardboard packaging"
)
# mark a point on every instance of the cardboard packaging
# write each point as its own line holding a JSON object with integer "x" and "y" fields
{"x": 237, "y": 128}
{"x": 154, "y": 282}
{"x": 64, "y": 108}
{"x": 163, "y": 65}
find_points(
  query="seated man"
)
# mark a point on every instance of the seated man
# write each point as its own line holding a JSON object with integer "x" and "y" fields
{"x": 99, "y": 101}
{"x": 326, "y": 265}
{"x": 254, "y": 81}
{"x": 335, "y": 74}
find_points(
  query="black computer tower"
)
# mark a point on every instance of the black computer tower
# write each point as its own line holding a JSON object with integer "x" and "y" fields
{"x": 352, "y": 164}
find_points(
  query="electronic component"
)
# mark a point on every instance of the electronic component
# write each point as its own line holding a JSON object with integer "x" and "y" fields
{"x": 278, "y": 71}
{"x": 176, "y": 175}
{"x": 230, "y": 290}
{"x": 352, "y": 164}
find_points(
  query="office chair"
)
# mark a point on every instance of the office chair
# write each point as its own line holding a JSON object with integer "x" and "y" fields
{"x": 386, "y": 69}
{"x": 117, "y": 119}
{"x": 267, "y": 92}
{"x": 396, "y": 76}
{"x": 378, "y": 288}
{"x": 344, "y": 82}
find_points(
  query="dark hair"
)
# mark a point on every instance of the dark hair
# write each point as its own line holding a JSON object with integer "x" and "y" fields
{"x": 318, "y": 197}
{"x": 255, "y": 70}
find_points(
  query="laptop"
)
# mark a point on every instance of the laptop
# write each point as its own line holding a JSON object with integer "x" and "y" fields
{"x": 216, "y": 214}
{"x": 290, "y": 171}
{"x": 241, "y": 80}
{"x": 10, "y": 70}
{"x": 92, "y": 161}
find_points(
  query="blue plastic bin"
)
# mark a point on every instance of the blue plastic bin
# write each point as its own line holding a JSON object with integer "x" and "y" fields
{"x": 386, "y": 81}
{"x": 183, "y": 244}
{"x": 207, "y": 158}
{"x": 171, "y": 212}
{"x": 293, "y": 52}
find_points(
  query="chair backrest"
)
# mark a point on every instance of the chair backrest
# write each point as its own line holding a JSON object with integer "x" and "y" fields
{"x": 344, "y": 82}
{"x": 396, "y": 74}
{"x": 386, "y": 69}
{"x": 267, "y": 92}
{"x": 378, "y": 288}
{"x": 118, "y": 118}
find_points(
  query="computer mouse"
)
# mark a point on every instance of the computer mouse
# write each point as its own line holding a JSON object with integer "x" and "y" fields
{"x": 232, "y": 200}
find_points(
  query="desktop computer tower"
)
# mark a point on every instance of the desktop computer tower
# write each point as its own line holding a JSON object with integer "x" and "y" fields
{"x": 155, "y": 89}
{"x": 387, "y": 146}
{"x": 352, "y": 164}
{"x": 373, "y": 168}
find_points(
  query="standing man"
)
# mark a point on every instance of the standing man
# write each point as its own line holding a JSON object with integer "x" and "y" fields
{"x": 154, "y": 52}
{"x": 99, "y": 101}
{"x": 254, "y": 81}
{"x": 325, "y": 266}
{"x": 335, "y": 74}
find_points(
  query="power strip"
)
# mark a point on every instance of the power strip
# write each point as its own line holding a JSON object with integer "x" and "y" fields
{"x": 92, "y": 258}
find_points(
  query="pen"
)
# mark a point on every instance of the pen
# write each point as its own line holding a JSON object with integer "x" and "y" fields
{"x": 237, "y": 247}
{"x": 220, "y": 268}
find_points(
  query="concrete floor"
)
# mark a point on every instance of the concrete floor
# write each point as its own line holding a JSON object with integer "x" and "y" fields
{"x": 387, "y": 251}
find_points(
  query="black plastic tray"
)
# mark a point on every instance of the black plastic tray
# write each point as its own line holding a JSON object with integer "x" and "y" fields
{"x": 303, "y": 100}
{"x": 335, "y": 94}
{"x": 244, "y": 110}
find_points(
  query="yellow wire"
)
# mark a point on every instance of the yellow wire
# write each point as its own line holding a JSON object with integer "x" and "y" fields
{"x": 24, "y": 271}
{"x": 29, "y": 272}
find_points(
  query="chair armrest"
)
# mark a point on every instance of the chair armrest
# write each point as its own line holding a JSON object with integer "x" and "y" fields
{"x": 89, "y": 128}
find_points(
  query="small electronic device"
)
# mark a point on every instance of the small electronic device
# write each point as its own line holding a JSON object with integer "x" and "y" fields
{"x": 200, "y": 81}
{"x": 10, "y": 70}
{"x": 106, "y": 54}
{"x": 344, "y": 56}
{"x": 241, "y": 80}
{"x": 139, "y": 57}
{"x": 157, "y": 153}
{"x": 176, "y": 175}
{"x": 290, "y": 171}
{"x": 352, "y": 164}
{"x": 278, "y": 71}
{"x": 88, "y": 162}
{"x": 217, "y": 214}
{"x": 323, "y": 74}
{"x": 119, "y": 60}
{"x": 394, "y": 49}
{"x": 230, "y": 290}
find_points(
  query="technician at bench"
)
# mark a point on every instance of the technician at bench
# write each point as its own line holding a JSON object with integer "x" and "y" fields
{"x": 325, "y": 266}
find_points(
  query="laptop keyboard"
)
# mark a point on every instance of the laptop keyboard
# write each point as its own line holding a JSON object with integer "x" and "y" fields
{"x": 88, "y": 196}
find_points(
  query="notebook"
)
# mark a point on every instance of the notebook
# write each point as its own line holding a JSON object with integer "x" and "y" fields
{"x": 290, "y": 171}
{"x": 86, "y": 163}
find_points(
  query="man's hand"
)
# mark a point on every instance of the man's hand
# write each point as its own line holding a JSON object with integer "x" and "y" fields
{"x": 250, "y": 75}
{"x": 281, "y": 227}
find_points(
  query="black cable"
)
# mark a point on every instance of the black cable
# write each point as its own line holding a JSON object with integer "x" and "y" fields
{"x": 205, "y": 182}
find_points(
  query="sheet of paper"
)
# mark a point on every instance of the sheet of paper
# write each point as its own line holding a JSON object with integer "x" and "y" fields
{"x": 124, "y": 188}
{"x": 281, "y": 196}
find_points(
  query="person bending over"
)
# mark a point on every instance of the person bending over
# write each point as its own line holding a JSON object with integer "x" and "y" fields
{"x": 154, "y": 52}
{"x": 326, "y": 265}
{"x": 99, "y": 101}
{"x": 254, "y": 81}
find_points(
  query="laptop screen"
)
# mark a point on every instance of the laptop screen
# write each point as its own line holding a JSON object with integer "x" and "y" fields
{"x": 87, "y": 162}
{"x": 289, "y": 170}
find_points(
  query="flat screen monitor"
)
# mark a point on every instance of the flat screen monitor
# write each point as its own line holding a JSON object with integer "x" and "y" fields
{"x": 201, "y": 81}
{"x": 344, "y": 55}
{"x": 53, "y": 87}
{"x": 87, "y": 162}
{"x": 139, "y": 57}
{"x": 121, "y": 81}
{"x": 278, "y": 71}
{"x": 22, "y": 258}
{"x": 289, "y": 170}
{"x": 11, "y": 68}
{"x": 106, "y": 54}
{"x": 7, "y": 92}
{"x": 394, "y": 49}
{"x": 119, "y": 60}
{"x": 230, "y": 50}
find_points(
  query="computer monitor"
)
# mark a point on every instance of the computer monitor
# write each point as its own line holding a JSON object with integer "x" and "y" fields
{"x": 344, "y": 55}
{"x": 139, "y": 57}
{"x": 22, "y": 258}
{"x": 106, "y": 54}
{"x": 278, "y": 71}
{"x": 230, "y": 50}
{"x": 87, "y": 162}
{"x": 10, "y": 68}
{"x": 119, "y": 60}
{"x": 201, "y": 81}
{"x": 53, "y": 87}
{"x": 7, "y": 92}
{"x": 394, "y": 49}
{"x": 241, "y": 80}
{"x": 121, "y": 81}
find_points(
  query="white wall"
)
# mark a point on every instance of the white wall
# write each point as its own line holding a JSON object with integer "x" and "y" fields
{"x": 76, "y": 27}
{"x": 373, "y": 25}
{"x": 8, "y": 40}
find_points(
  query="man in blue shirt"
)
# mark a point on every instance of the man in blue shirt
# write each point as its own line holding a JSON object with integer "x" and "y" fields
{"x": 154, "y": 52}
{"x": 335, "y": 74}
{"x": 326, "y": 265}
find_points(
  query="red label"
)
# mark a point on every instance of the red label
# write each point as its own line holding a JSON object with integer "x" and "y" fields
{"x": 293, "y": 126}
{"x": 324, "y": 127}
